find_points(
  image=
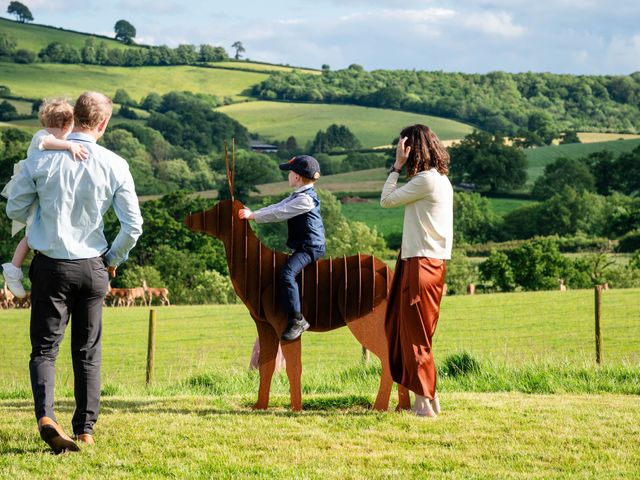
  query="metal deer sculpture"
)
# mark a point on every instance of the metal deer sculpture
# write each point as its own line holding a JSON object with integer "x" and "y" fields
{"x": 335, "y": 292}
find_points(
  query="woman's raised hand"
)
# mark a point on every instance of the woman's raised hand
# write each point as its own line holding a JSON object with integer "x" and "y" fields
{"x": 402, "y": 153}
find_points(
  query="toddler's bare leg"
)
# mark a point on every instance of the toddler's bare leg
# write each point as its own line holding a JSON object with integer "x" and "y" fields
{"x": 22, "y": 250}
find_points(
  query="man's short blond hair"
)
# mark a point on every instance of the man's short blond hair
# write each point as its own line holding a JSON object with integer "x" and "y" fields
{"x": 56, "y": 113}
{"x": 91, "y": 108}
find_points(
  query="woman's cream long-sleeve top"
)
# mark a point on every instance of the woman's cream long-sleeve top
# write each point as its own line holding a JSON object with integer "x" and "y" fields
{"x": 428, "y": 213}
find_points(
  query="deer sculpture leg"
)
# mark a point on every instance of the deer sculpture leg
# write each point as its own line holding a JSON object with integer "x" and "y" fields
{"x": 369, "y": 331}
{"x": 292, "y": 352}
{"x": 404, "y": 401}
{"x": 268, "y": 352}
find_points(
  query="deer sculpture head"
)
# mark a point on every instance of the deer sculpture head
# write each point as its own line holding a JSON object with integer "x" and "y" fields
{"x": 216, "y": 220}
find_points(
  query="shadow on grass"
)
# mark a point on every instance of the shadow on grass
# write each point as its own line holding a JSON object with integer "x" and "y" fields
{"x": 351, "y": 404}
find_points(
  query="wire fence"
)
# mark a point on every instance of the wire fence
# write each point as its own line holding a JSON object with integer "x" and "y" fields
{"x": 541, "y": 326}
{"x": 511, "y": 329}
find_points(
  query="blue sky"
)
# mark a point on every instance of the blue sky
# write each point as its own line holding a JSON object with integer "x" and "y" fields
{"x": 562, "y": 36}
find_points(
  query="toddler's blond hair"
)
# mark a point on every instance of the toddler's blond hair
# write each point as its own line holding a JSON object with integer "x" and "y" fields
{"x": 56, "y": 113}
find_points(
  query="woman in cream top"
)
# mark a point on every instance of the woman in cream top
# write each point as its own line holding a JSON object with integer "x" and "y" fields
{"x": 427, "y": 236}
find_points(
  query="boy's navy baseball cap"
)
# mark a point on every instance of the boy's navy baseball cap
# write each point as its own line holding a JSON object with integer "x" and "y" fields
{"x": 304, "y": 165}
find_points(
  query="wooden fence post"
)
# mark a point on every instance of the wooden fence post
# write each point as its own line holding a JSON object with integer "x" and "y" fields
{"x": 598, "y": 317}
{"x": 151, "y": 346}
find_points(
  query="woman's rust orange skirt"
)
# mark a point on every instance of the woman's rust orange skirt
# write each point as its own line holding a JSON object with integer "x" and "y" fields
{"x": 411, "y": 318}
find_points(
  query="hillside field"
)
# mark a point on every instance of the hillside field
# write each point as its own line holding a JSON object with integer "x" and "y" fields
{"x": 53, "y": 80}
{"x": 541, "y": 156}
{"x": 389, "y": 220}
{"x": 592, "y": 137}
{"x": 262, "y": 67}
{"x": 372, "y": 126}
{"x": 37, "y": 37}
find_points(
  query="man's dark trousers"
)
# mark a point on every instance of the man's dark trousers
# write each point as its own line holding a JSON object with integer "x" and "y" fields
{"x": 61, "y": 289}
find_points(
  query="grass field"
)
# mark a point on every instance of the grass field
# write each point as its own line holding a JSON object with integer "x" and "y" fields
{"x": 372, "y": 126}
{"x": 263, "y": 67}
{"x": 538, "y": 408}
{"x": 46, "y": 79}
{"x": 507, "y": 329}
{"x": 479, "y": 436}
{"x": 592, "y": 137}
{"x": 37, "y": 37}
{"x": 389, "y": 220}
{"x": 21, "y": 106}
{"x": 540, "y": 157}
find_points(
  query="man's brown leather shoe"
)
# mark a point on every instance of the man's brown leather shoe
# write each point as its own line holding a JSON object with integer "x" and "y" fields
{"x": 55, "y": 437}
{"x": 85, "y": 438}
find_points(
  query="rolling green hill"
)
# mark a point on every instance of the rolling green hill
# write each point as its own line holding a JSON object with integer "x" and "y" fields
{"x": 261, "y": 67}
{"x": 39, "y": 80}
{"x": 542, "y": 156}
{"x": 36, "y": 37}
{"x": 373, "y": 126}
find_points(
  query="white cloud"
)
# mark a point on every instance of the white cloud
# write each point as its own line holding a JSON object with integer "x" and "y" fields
{"x": 495, "y": 24}
{"x": 622, "y": 55}
{"x": 58, "y": 6}
{"x": 573, "y": 36}
{"x": 399, "y": 18}
{"x": 147, "y": 40}
{"x": 149, "y": 6}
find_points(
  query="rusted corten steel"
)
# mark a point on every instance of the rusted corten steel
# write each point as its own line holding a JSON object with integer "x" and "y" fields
{"x": 334, "y": 292}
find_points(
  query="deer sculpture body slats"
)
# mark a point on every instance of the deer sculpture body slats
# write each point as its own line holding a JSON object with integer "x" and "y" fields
{"x": 335, "y": 292}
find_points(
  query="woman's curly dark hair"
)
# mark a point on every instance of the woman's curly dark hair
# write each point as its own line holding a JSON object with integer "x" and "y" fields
{"x": 427, "y": 151}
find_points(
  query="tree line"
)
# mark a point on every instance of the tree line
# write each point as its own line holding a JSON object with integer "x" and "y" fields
{"x": 538, "y": 264}
{"x": 512, "y": 104}
{"x": 97, "y": 52}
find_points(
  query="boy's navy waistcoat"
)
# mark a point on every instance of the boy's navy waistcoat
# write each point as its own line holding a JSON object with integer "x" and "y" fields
{"x": 306, "y": 229}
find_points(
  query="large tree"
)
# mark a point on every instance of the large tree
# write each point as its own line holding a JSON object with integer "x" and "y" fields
{"x": 564, "y": 171}
{"x": 486, "y": 161}
{"x": 239, "y": 49}
{"x": 21, "y": 11}
{"x": 336, "y": 137}
{"x": 125, "y": 32}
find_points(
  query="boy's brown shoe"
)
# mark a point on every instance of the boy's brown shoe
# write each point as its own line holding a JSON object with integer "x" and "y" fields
{"x": 55, "y": 437}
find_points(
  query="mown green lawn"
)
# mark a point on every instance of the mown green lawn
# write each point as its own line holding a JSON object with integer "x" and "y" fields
{"x": 372, "y": 126}
{"x": 46, "y": 80}
{"x": 519, "y": 417}
{"x": 483, "y": 436}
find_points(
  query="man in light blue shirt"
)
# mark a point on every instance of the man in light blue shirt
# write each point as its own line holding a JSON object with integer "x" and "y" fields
{"x": 70, "y": 271}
